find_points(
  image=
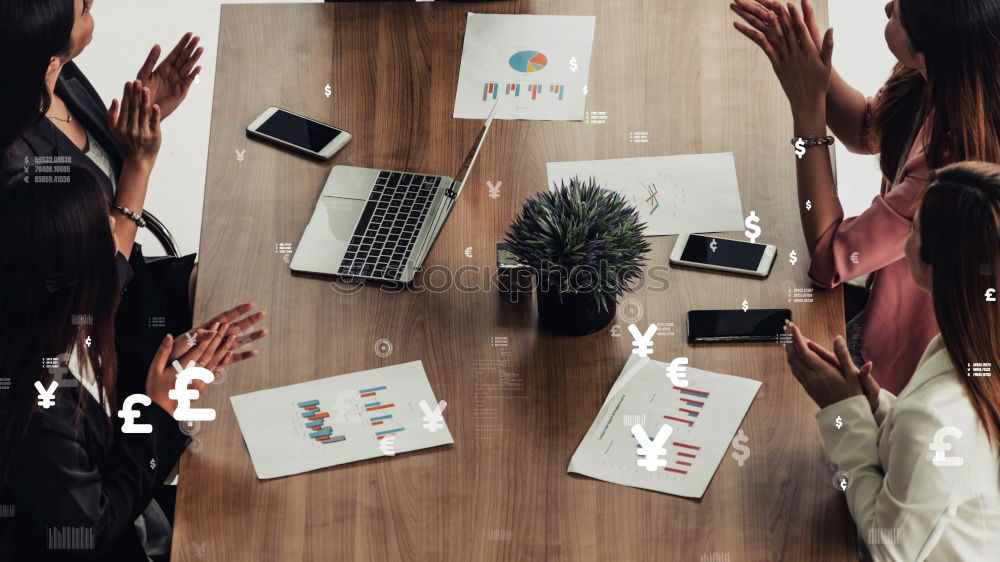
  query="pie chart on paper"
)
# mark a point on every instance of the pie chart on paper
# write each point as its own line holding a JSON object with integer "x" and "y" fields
{"x": 528, "y": 61}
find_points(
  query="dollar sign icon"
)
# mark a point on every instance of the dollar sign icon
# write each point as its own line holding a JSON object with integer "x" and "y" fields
{"x": 327, "y": 91}
{"x": 800, "y": 148}
{"x": 572, "y": 64}
{"x": 839, "y": 422}
{"x": 742, "y": 452}
{"x": 585, "y": 90}
{"x": 751, "y": 224}
{"x": 792, "y": 257}
{"x": 809, "y": 205}
{"x": 746, "y": 305}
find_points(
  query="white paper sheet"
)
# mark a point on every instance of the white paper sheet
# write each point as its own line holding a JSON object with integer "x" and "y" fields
{"x": 360, "y": 407}
{"x": 686, "y": 193}
{"x": 695, "y": 448}
{"x": 528, "y": 61}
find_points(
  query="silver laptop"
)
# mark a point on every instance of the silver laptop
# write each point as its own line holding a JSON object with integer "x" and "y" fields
{"x": 379, "y": 224}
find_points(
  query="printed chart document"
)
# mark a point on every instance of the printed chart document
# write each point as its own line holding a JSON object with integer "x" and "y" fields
{"x": 682, "y": 194}
{"x": 532, "y": 67}
{"x": 704, "y": 416}
{"x": 337, "y": 420}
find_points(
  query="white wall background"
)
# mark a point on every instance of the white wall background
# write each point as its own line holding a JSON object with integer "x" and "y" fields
{"x": 126, "y": 29}
{"x": 861, "y": 56}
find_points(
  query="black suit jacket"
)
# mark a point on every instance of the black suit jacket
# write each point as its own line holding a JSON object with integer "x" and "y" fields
{"x": 80, "y": 471}
{"x": 44, "y": 139}
{"x": 148, "y": 297}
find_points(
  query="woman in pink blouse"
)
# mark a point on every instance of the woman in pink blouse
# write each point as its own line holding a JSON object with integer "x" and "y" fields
{"x": 940, "y": 105}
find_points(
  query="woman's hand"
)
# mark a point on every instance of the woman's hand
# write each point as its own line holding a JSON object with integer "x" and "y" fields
{"x": 136, "y": 125}
{"x": 234, "y": 327}
{"x": 827, "y": 377}
{"x": 801, "y": 59}
{"x": 162, "y": 378}
{"x": 170, "y": 81}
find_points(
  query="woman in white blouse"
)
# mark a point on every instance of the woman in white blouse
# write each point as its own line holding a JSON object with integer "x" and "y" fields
{"x": 922, "y": 471}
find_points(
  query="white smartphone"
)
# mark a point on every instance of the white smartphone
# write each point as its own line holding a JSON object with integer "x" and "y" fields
{"x": 299, "y": 133}
{"x": 722, "y": 254}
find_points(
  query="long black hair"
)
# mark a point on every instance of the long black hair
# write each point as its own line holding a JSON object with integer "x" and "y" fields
{"x": 960, "y": 41}
{"x": 31, "y": 33}
{"x": 960, "y": 238}
{"x": 58, "y": 286}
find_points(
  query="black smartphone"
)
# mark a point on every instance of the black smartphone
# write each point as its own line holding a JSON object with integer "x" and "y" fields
{"x": 723, "y": 326}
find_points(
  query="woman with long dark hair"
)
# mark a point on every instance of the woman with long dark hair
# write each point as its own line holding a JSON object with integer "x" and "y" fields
{"x": 68, "y": 122}
{"x": 922, "y": 469}
{"x": 66, "y": 468}
{"x": 940, "y": 105}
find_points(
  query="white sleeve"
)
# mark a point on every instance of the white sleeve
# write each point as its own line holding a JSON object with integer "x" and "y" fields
{"x": 910, "y": 497}
{"x": 886, "y": 400}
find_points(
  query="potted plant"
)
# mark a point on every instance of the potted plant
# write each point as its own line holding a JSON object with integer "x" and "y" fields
{"x": 585, "y": 246}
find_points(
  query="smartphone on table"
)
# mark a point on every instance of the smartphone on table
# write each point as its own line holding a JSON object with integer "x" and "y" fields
{"x": 723, "y": 254}
{"x": 308, "y": 136}
{"x": 727, "y": 326}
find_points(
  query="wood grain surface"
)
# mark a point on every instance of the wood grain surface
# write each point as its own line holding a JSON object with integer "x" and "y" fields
{"x": 675, "y": 69}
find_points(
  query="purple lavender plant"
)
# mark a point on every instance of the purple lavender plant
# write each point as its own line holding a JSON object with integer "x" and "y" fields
{"x": 581, "y": 238}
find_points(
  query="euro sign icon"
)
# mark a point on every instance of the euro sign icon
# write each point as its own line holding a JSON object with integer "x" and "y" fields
{"x": 184, "y": 395}
{"x": 677, "y": 372}
{"x": 130, "y": 415}
{"x": 939, "y": 447}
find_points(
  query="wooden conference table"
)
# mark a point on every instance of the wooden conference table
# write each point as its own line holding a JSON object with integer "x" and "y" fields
{"x": 676, "y": 70}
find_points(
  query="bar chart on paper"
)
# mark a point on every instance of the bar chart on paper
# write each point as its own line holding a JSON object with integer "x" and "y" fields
{"x": 528, "y": 66}
{"x": 336, "y": 420}
{"x": 704, "y": 417}
{"x": 380, "y": 414}
{"x": 315, "y": 421}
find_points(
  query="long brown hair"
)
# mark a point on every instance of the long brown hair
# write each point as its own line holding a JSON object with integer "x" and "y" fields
{"x": 960, "y": 41}
{"x": 58, "y": 285}
{"x": 960, "y": 239}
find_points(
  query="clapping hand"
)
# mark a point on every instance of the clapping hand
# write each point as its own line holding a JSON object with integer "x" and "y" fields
{"x": 828, "y": 377}
{"x": 170, "y": 81}
{"x": 136, "y": 124}
{"x": 161, "y": 378}
{"x": 232, "y": 327}
{"x": 799, "y": 55}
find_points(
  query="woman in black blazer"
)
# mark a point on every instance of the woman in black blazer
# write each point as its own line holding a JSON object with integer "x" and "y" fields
{"x": 72, "y": 123}
{"x": 67, "y": 469}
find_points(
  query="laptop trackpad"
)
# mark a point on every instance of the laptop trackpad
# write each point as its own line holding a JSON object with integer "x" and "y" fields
{"x": 341, "y": 217}
{"x": 329, "y": 233}
{"x": 350, "y": 181}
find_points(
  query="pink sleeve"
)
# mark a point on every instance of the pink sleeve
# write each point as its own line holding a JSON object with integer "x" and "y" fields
{"x": 865, "y": 144}
{"x": 877, "y": 235}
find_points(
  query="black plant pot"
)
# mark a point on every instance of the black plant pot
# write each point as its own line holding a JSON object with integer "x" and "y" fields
{"x": 577, "y": 314}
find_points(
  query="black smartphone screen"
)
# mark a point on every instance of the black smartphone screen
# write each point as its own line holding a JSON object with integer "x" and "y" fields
{"x": 736, "y": 325}
{"x": 726, "y": 253}
{"x": 293, "y": 129}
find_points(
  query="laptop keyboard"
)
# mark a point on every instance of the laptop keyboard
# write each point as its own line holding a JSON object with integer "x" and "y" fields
{"x": 389, "y": 225}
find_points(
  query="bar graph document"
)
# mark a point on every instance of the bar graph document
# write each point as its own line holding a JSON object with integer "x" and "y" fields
{"x": 704, "y": 415}
{"x": 337, "y": 420}
{"x": 531, "y": 66}
{"x": 679, "y": 194}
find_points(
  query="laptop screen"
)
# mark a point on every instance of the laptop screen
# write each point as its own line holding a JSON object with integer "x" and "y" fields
{"x": 463, "y": 172}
